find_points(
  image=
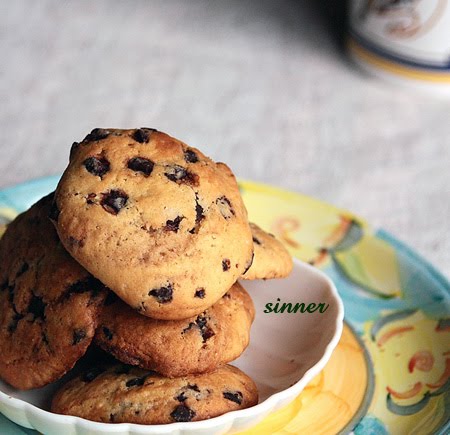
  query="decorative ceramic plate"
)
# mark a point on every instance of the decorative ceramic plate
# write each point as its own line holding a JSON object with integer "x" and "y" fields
{"x": 390, "y": 371}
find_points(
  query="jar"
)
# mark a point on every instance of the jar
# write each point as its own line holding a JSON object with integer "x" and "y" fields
{"x": 405, "y": 41}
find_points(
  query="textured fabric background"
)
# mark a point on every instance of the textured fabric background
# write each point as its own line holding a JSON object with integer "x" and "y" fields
{"x": 261, "y": 85}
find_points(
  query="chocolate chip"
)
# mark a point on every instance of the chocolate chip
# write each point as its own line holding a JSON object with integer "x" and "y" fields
{"x": 136, "y": 382}
{"x": 225, "y": 207}
{"x": 249, "y": 264}
{"x": 23, "y": 269}
{"x": 107, "y": 333}
{"x": 141, "y": 308}
{"x": 112, "y": 417}
{"x": 90, "y": 198}
{"x": 181, "y": 397}
{"x": 36, "y": 307}
{"x": 14, "y": 322}
{"x": 207, "y": 333}
{"x": 142, "y": 135}
{"x": 255, "y": 240}
{"x": 163, "y": 295}
{"x": 54, "y": 212}
{"x": 96, "y": 134}
{"x": 235, "y": 396}
{"x": 190, "y": 156}
{"x": 205, "y": 330}
{"x": 89, "y": 284}
{"x": 90, "y": 375}
{"x": 176, "y": 173}
{"x": 202, "y": 324}
{"x": 98, "y": 166}
{"x": 226, "y": 264}
{"x": 200, "y": 293}
{"x": 199, "y": 215}
{"x": 193, "y": 387}
{"x": 182, "y": 413}
{"x": 179, "y": 175}
{"x": 190, "y": 326}
{"x": 114, "y": 200}
{"x": 139, "y": 164}
{"x": 174, "y": 225}
{"x": 78, "y": 335}
{"x": 201, "y": 321}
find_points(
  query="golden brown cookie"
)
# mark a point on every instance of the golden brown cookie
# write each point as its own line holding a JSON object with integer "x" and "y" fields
{"x": 271, "y": 259}
{"x": 49, "y": 304}
{"x": 158, "y": 222}
{"x": 125, "y": 394}
{"x": 179, "y": 347}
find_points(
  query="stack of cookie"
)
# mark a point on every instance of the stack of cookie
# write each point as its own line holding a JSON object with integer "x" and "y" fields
{"x": 139, "y": 251}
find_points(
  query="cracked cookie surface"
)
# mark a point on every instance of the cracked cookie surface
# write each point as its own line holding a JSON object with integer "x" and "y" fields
{"x": 155, "y": 220}
{"x": 49, "y": 304}
{"x": 271, "y": 258}
{"x": 125, "y": 394}
{"x": 178, "y": 347}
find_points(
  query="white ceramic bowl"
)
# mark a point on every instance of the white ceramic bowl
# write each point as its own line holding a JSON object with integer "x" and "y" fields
{"x": 287, "y": 350}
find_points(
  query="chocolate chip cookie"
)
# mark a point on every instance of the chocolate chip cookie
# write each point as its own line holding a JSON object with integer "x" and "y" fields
{"x": 155, "y": 220}
{"x": 179, "y": 347}
{"x": 125, "y": 394}
{"x": 49, "y": 304}
{"x": 271, "y": 259}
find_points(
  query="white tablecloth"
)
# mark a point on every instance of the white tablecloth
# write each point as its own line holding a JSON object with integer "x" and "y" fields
{"x": 260, "y": 85}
